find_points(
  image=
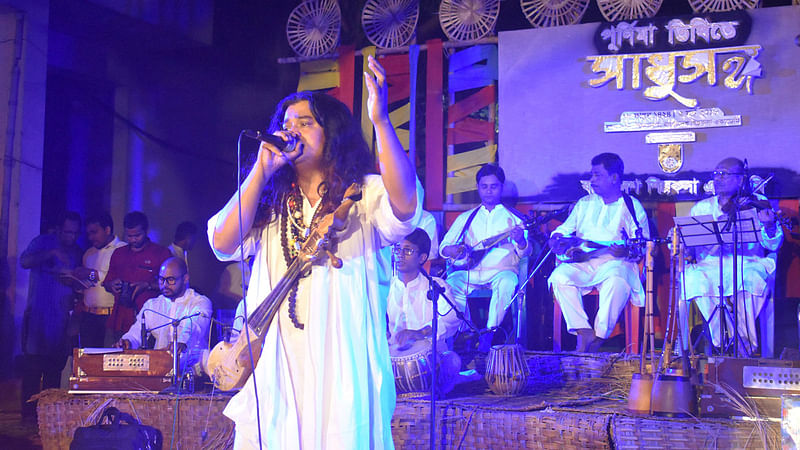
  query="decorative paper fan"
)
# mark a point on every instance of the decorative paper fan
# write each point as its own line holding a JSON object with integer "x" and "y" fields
{"x": 703, "y": 6}
{"x": 468, "y": 20}
{"x": 614, "y": 10}
{"x": 313, "y": 27}
{"x": 553, "y": 13}
{"x": 390, "y": 23}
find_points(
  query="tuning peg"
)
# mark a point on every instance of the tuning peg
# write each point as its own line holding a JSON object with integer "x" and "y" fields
{"x": 336, "y": 262}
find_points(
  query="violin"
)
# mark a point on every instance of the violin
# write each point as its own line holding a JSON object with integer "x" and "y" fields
{"x": 743, "y": 202}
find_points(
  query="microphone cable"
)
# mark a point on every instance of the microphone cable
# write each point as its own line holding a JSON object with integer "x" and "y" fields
{"x": 245, "y": 326}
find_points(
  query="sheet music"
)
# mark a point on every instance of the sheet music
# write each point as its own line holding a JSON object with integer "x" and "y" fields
{"x": 705, "y": 230}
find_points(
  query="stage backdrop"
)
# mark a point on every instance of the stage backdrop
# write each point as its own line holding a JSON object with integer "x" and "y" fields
{"x": 552, "y": 119}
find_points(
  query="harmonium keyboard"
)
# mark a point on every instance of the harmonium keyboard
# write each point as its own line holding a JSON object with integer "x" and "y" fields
{"x": 115, "y": 370}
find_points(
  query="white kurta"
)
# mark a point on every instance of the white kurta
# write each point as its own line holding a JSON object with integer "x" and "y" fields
{"x": 331, "y": 384}
{"x": 617, "y": 279}
{"x": 193, "y": 332}
{"x": 499, "y": 267}
{"x": 754, "y": 270}
{"x": 487, "y": 224}
{"x": 409, "y": 308}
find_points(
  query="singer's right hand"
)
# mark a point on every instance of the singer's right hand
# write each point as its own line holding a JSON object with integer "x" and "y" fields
{"x": 270, "y": 158}
{"x": 123, "y": 344}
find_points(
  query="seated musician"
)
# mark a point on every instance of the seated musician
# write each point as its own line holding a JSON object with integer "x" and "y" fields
{"x": 499, "y": 267}
{"x": 410, "y": 312}
{"x": 702, "y": 279}
{"x": 603, "y": 217}
{"x": 177, "y": 300}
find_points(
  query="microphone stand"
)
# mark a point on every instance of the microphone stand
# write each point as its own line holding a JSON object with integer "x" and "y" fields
{"x": 721, "y": 308}
{"x": 175, "y": 388}
{"x": 434, "y": 291}
{"x": 735, "y": 278}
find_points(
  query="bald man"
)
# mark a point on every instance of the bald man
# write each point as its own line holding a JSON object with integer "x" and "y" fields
{"x": 177, "y": 300}
{"x": 755, "y": 268}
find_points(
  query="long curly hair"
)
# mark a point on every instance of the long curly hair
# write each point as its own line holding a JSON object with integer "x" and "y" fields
{"x": 346, "y": 157}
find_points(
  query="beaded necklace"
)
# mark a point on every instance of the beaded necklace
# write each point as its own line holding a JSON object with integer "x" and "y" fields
{"x": 293, "y": 238}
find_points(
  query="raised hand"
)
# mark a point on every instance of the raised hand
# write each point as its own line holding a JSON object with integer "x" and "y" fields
{"x": 378, "y": 89}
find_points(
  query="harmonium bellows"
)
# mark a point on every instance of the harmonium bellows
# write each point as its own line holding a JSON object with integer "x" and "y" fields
{"x": 120, "y": 371}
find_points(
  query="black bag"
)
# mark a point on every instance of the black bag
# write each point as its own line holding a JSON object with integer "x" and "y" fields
{"x": 115, "y": 435}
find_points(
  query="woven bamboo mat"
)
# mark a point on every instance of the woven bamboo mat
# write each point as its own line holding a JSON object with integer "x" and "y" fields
{"x": 572, "y": 401}
{"x": 197, "y": 420}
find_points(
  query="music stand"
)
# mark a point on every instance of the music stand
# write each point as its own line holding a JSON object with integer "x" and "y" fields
{"x": 704, "y": 230}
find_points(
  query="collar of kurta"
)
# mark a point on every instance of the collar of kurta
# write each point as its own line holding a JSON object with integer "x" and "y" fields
{"x": 485, "y": 210}
{"x": 183, "y": 298}
{"x": 411, "y": 284}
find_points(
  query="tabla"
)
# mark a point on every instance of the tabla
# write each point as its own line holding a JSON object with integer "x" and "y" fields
{"x": 506, "y": 370}
{"x": 412, "y": 367}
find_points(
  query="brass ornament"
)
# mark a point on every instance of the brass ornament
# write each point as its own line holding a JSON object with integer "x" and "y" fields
{"x": 670, "y": 157}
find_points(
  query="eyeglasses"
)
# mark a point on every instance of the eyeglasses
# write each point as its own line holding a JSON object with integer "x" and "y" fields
{"x": 725, "y": 173}
{"x": 169, "y": 281}
{"x": 407, "y": 251}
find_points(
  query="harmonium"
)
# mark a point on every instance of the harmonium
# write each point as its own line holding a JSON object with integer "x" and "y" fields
{"x": 116, "y": 370}
{"x": 733, "y": 387}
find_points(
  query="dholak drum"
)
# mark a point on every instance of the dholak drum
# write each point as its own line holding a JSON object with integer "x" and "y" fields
{"x": 506, "y": 370}
{"x": 411, "y": 367}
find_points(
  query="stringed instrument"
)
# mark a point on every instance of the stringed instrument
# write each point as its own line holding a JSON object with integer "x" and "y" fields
{"x": 229, "y": 364}
{"x": 474, "y": 254}
{"x": 577, "y": 249}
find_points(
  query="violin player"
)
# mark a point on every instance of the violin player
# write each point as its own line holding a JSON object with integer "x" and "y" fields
{"x": 702, "y": 278}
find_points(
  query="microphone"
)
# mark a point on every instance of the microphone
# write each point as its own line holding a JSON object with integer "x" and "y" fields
{"x": 143, "y": 346}
{"x": 284, "y": 146}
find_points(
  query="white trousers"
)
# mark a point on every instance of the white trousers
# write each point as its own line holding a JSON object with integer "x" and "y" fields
{"x": 503, "y": 285}
{"x": 613, "y": 291}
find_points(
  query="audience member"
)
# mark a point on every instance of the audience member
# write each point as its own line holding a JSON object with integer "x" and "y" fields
{"x": 51, "y": 257}
{"x": 133, "y": 272}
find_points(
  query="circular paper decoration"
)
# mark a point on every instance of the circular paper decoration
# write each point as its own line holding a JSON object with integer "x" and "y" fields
{"x": 614, "y": 10}
{"x": 703, "y": 6}
{"x": 390, "y": 23}
{"x": 468, "y": 20}
{"x": 553, "y": 13}
{"x": 313, "y": 27}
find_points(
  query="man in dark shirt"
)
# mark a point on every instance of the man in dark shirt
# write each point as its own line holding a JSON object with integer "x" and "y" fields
{"x": 51, "y": 257}
{"x": 133, "y": 272}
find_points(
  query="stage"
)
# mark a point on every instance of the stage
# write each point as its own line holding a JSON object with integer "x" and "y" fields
{"x": 571, "y": 401}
